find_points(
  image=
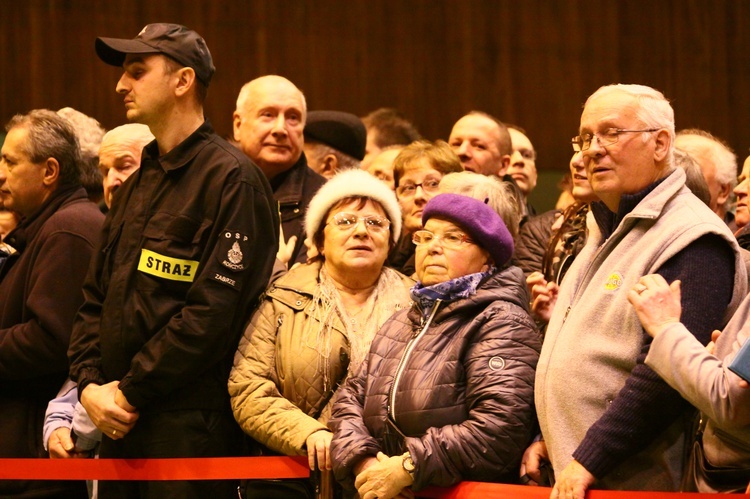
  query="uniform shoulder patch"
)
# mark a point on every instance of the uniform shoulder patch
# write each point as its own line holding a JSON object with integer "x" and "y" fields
{"x": 234, "y": 248}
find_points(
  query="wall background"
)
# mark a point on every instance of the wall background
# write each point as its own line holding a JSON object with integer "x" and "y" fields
{"x": 530, "y": 62}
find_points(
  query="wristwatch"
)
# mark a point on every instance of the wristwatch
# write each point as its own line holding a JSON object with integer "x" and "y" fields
{"x": 408, "y": 465}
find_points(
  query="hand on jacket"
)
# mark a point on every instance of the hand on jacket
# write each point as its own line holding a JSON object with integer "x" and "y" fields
{"x": 656, "y": 303}
{"x": 531, "y": 462}
{"x": 384, "y": 480}
{"x": 319, "y": 450}
{"x": 572, "y": 482}
{"x": 61, "y": 446}
{"x": 101, "y": 404}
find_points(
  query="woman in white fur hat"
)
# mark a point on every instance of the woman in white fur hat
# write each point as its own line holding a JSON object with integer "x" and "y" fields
{"x": 316, "y": 323}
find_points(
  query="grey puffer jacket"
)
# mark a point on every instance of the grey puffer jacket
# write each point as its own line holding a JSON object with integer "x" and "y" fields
{"x": 464, "y": 397}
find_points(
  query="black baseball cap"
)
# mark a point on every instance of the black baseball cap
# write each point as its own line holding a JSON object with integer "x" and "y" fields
{"x": 342, "y": 131}
{"x": 181, "y": 44}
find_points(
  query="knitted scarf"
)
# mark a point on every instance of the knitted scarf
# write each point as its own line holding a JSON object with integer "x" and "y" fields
{"x": 388, "y": 296}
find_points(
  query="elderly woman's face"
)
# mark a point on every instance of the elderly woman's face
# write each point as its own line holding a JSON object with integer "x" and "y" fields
{"x": 436, "y": 264}
{"x": 358, "y": 245}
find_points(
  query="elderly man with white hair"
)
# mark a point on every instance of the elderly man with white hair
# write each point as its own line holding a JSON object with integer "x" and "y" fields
{"x": 608, "y": 420}
{"x": 718, "y": 165}
{"x": 120, "y": 156}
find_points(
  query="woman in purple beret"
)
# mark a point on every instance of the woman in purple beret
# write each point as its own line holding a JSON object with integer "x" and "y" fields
{"x": 446, "y": 393}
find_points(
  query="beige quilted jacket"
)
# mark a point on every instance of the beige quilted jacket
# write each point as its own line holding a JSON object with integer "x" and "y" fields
{"x": 276, "y": 385}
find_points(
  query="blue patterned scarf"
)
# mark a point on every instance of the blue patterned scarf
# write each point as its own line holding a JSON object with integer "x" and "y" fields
{"x": 448, "y": 291}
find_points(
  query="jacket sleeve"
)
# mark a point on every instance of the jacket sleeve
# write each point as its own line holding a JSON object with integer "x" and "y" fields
{"x": 533, "y": 239}
{"x": 38, "y": 346}
{"x": 500, "y": 364}
{"x": 60, "y": 411}
{"x": 84, "y": 355}
{"x": 89, "y": 436}
{"x": 704, "y": 380}
{"x": 351, "y": 439}
{"x": 258, "y": 406}
{"x": 202, "y": 333}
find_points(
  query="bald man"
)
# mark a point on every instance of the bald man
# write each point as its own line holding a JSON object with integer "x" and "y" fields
{"x": 120, "y": 156}
{"x": 482, "y": 143}
{"x": 268, "y": 124}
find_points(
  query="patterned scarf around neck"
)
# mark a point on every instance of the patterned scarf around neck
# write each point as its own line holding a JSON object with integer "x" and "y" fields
{"x": 448, "y": 291}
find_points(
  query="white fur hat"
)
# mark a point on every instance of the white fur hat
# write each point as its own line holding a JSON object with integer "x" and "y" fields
{"x": 348, "y": 183}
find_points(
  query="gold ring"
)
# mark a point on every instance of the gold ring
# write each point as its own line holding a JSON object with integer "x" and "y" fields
{"x": 114, "y": 433}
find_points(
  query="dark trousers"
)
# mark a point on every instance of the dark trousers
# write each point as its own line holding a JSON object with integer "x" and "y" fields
{"x": 186, "y": 433}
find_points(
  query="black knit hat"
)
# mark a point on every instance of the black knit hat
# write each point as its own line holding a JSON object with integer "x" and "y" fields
{"x": 344, "y": 132}
{"x": 181, "y": 44}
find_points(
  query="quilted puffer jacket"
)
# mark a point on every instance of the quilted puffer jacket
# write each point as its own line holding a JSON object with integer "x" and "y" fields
{"x": 532, "y": 242}
{"x": 276, "y": 384}
{"x": 460, "y": 386}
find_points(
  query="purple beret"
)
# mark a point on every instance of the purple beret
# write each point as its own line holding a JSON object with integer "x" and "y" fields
{"x": 480, "y": 222}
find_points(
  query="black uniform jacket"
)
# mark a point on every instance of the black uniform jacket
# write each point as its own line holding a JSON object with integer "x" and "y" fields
{"x": 187, "y": 249}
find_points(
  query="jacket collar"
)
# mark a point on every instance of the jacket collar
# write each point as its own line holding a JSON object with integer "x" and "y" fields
{"x": 28, "y": 228}
{"x": 288, "y": 187}
{"x": 507, "y": 285}
{"x": 639, "y": 205}
{"x": 184, "y": 153}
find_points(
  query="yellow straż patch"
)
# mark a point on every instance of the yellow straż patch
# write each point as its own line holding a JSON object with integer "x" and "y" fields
{"x": 166, "y": 267}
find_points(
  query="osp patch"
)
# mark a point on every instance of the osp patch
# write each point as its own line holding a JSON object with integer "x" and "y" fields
{"x": 234, "y": 246}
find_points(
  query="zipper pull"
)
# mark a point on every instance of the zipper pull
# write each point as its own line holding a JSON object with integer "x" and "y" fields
{"x": 567, "y": 311}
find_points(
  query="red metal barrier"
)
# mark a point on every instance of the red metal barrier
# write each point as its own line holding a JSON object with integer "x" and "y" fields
{"x": 227, "y": 468}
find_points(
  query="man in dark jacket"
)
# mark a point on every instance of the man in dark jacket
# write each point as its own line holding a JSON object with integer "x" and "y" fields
{"x": 187, "y": 249}
{"x": 40, "y": 282}
{"x": 268, "y": 123}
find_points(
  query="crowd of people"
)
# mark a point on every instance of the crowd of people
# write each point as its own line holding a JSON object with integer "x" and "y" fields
{"x": 393, "y": 308}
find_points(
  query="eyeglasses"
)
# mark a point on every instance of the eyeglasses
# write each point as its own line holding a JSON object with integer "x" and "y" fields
{"x": 449, "y": 240}
{"x": 605, "y": 138}
{"x": 427, "y": 185}
{"x": 348, "y": 221}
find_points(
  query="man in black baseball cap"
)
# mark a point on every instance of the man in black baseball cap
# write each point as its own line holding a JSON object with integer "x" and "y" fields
{"x": 189, "y": 244}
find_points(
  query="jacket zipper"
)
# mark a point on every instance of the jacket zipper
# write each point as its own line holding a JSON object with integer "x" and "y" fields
{"x": 405, "y": 358}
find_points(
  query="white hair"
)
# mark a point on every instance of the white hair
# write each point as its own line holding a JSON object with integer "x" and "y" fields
{"x": 88, "y": 130}
{"x": 489, "y": 189}
{"x": 133, "y": 136}
{"x": 653, "y": 109}
{"x": 720, "y": 154}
